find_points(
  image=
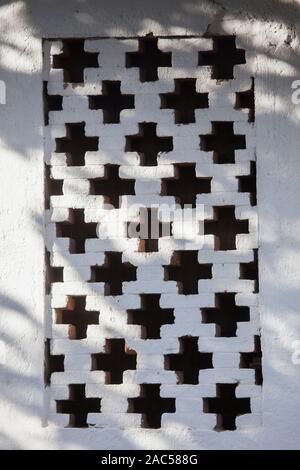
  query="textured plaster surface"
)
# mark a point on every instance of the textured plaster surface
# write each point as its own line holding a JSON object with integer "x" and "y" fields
{"x": 268, "y": 30}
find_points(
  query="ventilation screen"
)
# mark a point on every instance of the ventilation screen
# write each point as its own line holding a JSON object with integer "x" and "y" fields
{"x": 151, "y": 257}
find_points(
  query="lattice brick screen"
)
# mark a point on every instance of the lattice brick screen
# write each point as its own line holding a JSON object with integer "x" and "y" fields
{"x": 143, "y": 330}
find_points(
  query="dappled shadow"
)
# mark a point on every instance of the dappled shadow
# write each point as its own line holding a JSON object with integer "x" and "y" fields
{"x": 274, "y": 42}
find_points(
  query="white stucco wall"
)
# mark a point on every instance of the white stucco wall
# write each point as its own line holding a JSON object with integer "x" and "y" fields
{"x": 267, "y": 29}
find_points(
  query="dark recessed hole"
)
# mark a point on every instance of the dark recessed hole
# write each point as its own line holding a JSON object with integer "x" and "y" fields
{"x": 148, "y": 59}
{"x": 52, "y": 363}
{"x": 74, "y": 59}
{"x": 113, "y": 273}
{"x": 151, "y": 406}
{"x": 112, "y": 186}
{"x": 53, "y": 273}
{"x": 223, "y": 142}
{"x": 112, "y": 102}
{"x": 184, "y": 100}
{"x": 77, "y": 230}
{"x": 76, "y": 144}
{"x": 185, "y": 185}
{"x": 78, "y": 406}
{"x": 147, "y": 144}
{"x": 189, "y": 361}
{"x": 225, "y": 227}
{"x": 150, "y": 316}
{"x": 246, "y": 100}
{"x": 252, "y": 360}
{"x": 51, "y": 103}
{"x": 149, "y": 230}
{"x": 226, "y": 314}
{"x": 77, "y": 317}
{"x": 250, "y": 270}
{"x": 115, "y": 361}
{"x": 187, "y": 271}
{"x": 226, "y": 406}
{"x": 53, "y": 187}
{"x": 223, "y": 57}
{"x": 247, "y": 183}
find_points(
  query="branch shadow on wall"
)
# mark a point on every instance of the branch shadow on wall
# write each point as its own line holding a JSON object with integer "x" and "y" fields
{"x": 211, "y": 21}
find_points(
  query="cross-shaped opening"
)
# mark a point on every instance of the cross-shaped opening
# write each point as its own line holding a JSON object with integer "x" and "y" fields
{"x": 150, "y": 316}
{"x": 185, "y": 185}
{"x": 223, "y": 142}
{"x": 77, "y": 230}
{"x": 76, "y": 144}
{"x": 53, "y": 273}
{"x": 113, "y": 273}
{"x": 149, "y": 230}
{"x": 116, "y": 359}
{"x": 111, "y": 186}
{"x": 247, "y": 183}
{"x": 187, "y": 271}
{"x": 226, "y": 406}
{"x": 226, "y": 314}
{"x": 78, "y": 406}
{"x": 112, "y": 102}
{"x": 246, "y": 100}
{"x": 77, "y": 317}
{"x": 148, "y": 59}
{"x": 189, "y": 361}
{"x": 223, "y": 57}
{"x": 53, "y": 187}
{"x": 151, "y": 406}
{"x": 252, "y": 360}
{"x": 52, "y": 363}
{"x": 74, "y": 59}
{"x": 184, "y": 100}
{"x": 225, "y": 227}
{"x": 147, "y": 144}
{"x": 250, "y": 270}
{"x": 51, "y": 103}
